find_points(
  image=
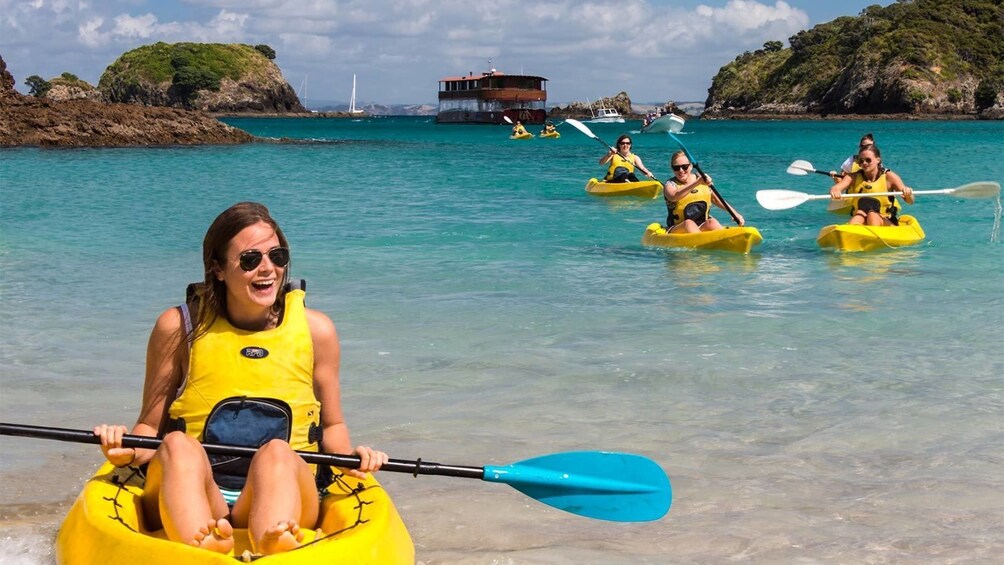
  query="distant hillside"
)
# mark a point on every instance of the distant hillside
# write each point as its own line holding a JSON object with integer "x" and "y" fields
{"x": 213, "y": 77}
{"x": 916, "y": 57}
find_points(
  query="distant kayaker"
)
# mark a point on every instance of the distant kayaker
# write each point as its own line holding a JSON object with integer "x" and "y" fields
{"x": 622, "y": 163}
{"x": 241, "y": 362}
{"x": 689, "y": 197}
{"x": 850, "y": 165}
{"x": 518, "y": 129}
{"x": 548, "y": 128}
{"x": 872, "y": 177}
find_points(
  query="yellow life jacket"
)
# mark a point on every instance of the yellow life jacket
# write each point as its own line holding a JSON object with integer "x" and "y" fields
{"x": 886, "y": 206}
{"x": 695, "y": 205}
{"x": 618, "y": 161}
{"x": 248, "y": 387}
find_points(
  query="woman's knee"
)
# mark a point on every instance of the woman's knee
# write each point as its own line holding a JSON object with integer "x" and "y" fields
{"x": 275, "y": 452}
{"x": 178, "y": 445}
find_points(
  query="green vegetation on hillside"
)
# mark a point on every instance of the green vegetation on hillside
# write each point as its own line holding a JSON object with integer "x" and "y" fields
{"x": 923, "y": 42}
{"x": 185, "y": 68}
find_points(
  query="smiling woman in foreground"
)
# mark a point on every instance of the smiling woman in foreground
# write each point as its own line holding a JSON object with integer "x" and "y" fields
{"x": 243, "y": 362}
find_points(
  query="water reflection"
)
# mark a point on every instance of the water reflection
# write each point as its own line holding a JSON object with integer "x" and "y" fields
{"x": 875, "y": 266}
{"x": 689, "y": 267}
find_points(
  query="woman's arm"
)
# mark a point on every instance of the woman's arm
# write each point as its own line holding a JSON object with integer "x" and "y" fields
{"x": 327, "y": 389}
{"x": 641, "y": 167}
{"x": 896, "y": 185}
{"x": 837, "y": 190}
{"x": 606, "y": 158}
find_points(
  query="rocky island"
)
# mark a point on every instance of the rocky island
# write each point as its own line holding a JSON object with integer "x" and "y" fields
{"x": 621, "y": 102}
{"x": 921, "y": 59}
{"x": 160, "y": 94}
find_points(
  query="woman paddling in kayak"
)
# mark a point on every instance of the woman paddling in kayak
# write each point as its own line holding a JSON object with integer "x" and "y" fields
{"x": 241, "y": 362}
{"x": 689, "y": 198}
{"x": 622, "y": 163}
{"x": 872, "y": 177}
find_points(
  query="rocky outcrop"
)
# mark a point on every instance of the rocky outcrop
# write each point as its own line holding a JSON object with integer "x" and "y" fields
{"x": 621, "y": 103}
{"x": 45, "y": 122}
{"x": 217, "y": 78}
{"x": 71, "y": 88}
{"x": 6, "y": 81}
{"x": 923, "y": 58}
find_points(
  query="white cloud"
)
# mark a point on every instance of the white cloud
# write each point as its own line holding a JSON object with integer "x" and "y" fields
{"x": 135, "y": 27}
{"x": 89, "y": 34}
{"x": 745, "y": 16}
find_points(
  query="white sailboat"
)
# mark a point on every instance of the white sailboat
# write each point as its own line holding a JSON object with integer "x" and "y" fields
{"x": 352, "y": 100}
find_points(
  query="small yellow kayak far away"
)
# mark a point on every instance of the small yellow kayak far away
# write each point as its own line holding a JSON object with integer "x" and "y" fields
{"x": 641, "y": 189}
{"x": 847, "y": 237}
{"x": 359, "y": 524}
{"x": 553, "y": 134}
{"x": 526, "y": 135}
{"x": 732, "y": 238}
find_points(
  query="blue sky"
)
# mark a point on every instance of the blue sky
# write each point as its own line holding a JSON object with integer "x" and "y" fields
{"x": 655, "y": 50}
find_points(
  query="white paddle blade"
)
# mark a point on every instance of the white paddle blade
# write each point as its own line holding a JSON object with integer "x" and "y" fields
{"x": 780, "y": 199}
{"x": 676, "y": 123}
{"x": 800, "y": 167}
{"x": 977, "y": 190}
{"x": 580, "y": 126}
{"x": 507, "y": 120}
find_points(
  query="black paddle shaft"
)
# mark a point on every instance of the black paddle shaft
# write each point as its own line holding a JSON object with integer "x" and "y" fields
{"x": 417, "y": 467}
{"x": 728, "y": 207}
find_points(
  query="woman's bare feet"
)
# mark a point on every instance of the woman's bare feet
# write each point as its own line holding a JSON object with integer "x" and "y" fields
{"x": 216, "y": 535}
{"x": 281, "y": 537}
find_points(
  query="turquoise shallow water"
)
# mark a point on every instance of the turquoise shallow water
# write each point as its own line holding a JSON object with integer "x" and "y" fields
{"x": 807, "y": 405}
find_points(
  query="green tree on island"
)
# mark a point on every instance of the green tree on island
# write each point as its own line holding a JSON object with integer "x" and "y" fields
{"x": 265, "y": 50}
{"x": 190, "y": 77}
{"x": 37, "y": 86}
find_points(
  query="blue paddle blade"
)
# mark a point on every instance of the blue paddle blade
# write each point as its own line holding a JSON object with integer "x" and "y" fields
{"x": 620, "y": 487}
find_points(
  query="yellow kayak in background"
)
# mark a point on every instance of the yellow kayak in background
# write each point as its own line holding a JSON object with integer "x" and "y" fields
{"x": 358, "y": 524}
{"x": 847, "y": 237}
{"x": 553, "y": 134}
{"x": 526, "y": 135}
{"x": 642, "y": 189}
{"x": 733, "y": 238}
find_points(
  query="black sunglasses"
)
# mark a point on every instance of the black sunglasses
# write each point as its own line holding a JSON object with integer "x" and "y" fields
{"x": 624, "y": 143}
{"x": 681, "y": 167}
{"x": 250, "y": 259}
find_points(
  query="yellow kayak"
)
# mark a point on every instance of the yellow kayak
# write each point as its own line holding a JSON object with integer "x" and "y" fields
{"x": 359, "y": 524}
{"x": 643, "y": 189}
{"x": 552, "y": 134}
{"x": 732, "y": 238}
{"x": 526, "y": 135}
{"x": 847, "y": 237}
